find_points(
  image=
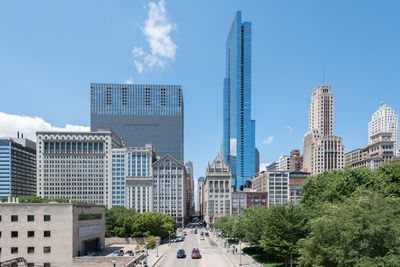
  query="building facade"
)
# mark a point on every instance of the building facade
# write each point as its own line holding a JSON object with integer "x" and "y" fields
{"x": 140, "y": 114}
{"x": 75, "y": 165}
{"x": 50, "y": 234}
{"x": 190, "y": 187}
{"x": 200, "y": 197}
{"x": 296, "y": 160}
{"x": 322, "y": 150}
{"x": 239, "y": 128}
{"x": 381, "y": 149}
{"x": 384, "y": 120}
{"x": 244, "y": 200}
{"x": 17, "y": 167}
{"x": 296, "y": 180}
{"x": 216, "y": 191}
{"x": 284, "y": 163}
{"x": 278, "y": 187}
{"x": 259, "y": 182}
{"x": 169, "y": 188}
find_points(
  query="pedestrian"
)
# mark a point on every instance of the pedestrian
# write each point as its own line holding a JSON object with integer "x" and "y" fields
{"x": 233, "y": 250}
{"x": 236, "y": 250}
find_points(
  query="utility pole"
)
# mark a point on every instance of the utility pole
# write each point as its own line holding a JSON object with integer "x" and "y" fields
{"x": 240, "y": 253}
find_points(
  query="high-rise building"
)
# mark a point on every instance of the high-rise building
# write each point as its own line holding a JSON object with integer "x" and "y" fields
{"x": 190, "y": 186}
{"x": 140, "y": 114}
{"x": 239, "y": 128}
{"x": 257, "y": 161}
{"x": 200, "y": 181}
{"x": 277, "y": 187}
{"x": 322, "y": 150}
{"x": 273, "y": 166}
{"x": 284, "y": 163}
{"x": 17, "y": 167}
{"x": 216, "y": 191}
{"x": 76, "y": 165}
{"x": 169, "y": 188}
{"x": 384, "y": 121}
{"x": 296, "y": 160}
{"x": 259, "y": 181}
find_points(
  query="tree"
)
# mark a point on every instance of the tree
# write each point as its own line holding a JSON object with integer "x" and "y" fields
{"x": 284, "y": 226}
{"x": 225, "y": 225}
{"x": 364, "y": 230}
{"x": 112, "y": 216}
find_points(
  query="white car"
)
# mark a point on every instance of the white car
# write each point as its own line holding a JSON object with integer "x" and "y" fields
{"x": 201, "y": 237}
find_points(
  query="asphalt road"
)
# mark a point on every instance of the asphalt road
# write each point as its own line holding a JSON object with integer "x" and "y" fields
{"x": 211, "y": 255}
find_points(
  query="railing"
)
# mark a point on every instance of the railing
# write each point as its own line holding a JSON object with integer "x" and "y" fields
{"x": 137, "y": 259}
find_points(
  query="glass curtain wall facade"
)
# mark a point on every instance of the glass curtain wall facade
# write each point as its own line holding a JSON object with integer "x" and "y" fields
{"x": 141, "y": 114}
{"x": 5, "y": 166}
{"x": 238, "y": 129}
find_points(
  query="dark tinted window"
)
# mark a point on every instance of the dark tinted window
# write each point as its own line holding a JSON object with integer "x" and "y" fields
{"x": 46, "y": 234}
{"x": 31, "y": 234}
{"x": 46, "y": 249}
{"x": 46, "y": 218}
{"x": 14, "y": 218}
{"x": 14, "y": 250}
{"x": 14, "y": 233}
{"x": 31, "y": 249}
{"x": 31, "y": 218}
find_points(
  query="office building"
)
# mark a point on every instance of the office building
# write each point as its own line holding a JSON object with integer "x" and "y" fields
{"x": 76, "y": 165}
{"x": 169, "y": 188}
{"x": 216, "y": 191}
{"x": 17, "y": 167}
{"x": 259, "y": 182}
{"x": 384, "y": 120}
{"x": 322, "y": 150}
{"x": 238, "y": 127}
{"x": 296, "y": 180}
{"x": 49, "y": 234}
{"x": 274, "y": 166}
{"x": 257, "y": 161}
{"x": 190, "y": 187}
{"x": 380, "y": 150}
{"x": 278, "y": 187}
{"x": 247, "y": 199}
{"x": 200, "y": 181}
{"x": 296, "y": 160}
{"x": 284, "y": 163}
{"x": 140, "y": 114}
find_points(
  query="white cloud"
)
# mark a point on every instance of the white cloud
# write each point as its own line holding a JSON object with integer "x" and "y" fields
{"x": 289, "y": 128}
{"x": 10, "y": 124}
{"x": 268, "y": 140}
{"x": 129, "y": 81}
{"x": 156, "y": 29}
{"x": 263, "y": 167}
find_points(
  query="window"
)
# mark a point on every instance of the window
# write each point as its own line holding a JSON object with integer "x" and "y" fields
{"x": 46, "y": 249}
{"x": 46, "y": 234}
{"x": 47, "y": 264}
{"x": 31, "y": 234}
{"x": 14, "y": 250}
{"x": 14, "y": 218}
{"x": 0, "y": 218}
{"x": 46, "y": 218}
{"x": 14, "y": 233}
{"x": 31, "y": 218}
{"x": 31, "y": 265}
{"x": 31, "y": 249}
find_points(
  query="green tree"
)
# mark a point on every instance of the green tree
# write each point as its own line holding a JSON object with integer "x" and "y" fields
{"x": 225, "y": 225}
{"x": 364, "y": 230}
{"x": 112, "y": 216}
{"x": 284, "y": 226}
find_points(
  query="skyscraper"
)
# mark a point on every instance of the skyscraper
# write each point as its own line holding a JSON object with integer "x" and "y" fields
{"x": 239, "y": 129}
{"x": 322, "y": 150}
{"x": 384, "y": 121}
{"x": 140, "y": 114}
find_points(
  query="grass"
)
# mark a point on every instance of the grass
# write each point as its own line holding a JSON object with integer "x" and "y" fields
{"x": 261, "y": 257}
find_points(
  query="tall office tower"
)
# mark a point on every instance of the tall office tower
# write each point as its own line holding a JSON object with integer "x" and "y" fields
{"x": 296, "y": 160}
{"x": 216, "y": 191}
{"x": 140, "y": 114}
{"x": 200, "y": 181}
{"x": 169, "y": 188}
{"x": 257, "y": 161}
{"x": 190, "y": 186}
{"x": 76, "y": 165}
{"x": 239, "y": 129}
{"x": 322, "y": 150}
{"x": 132, "y": 177}
{"x": 17, "y": 167}
{"x": 284, "y": 163}
{"x": 384, "y": 121}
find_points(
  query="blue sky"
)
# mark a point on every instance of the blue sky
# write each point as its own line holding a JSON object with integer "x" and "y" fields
{"x": 50, "y": 51}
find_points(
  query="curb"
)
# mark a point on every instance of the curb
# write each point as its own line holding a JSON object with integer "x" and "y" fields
{"x": 159, "y": 258}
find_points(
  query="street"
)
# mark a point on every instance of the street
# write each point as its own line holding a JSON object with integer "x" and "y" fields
{"x": 211, "y": 254}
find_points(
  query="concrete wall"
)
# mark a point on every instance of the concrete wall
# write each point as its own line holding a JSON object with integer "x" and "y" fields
{"x": 126, "y": 240}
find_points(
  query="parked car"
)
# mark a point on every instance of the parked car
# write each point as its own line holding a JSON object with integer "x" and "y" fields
{"x": 179, "y": 238}
{"x": 129, "y": 253}
{"x": 181, "y": 254}
{"x": 196, "y": 253}
{"x": 119, "y": 252}
{"x": 202, "y": 237}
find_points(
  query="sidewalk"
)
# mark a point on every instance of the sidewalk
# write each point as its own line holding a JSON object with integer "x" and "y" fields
{"x": 152, "y": 258}
{"x": 236, "y": 258}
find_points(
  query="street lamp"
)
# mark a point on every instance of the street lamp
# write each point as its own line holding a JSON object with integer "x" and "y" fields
{"x": 114, "y": 262}
{"x": 240, "y": 253}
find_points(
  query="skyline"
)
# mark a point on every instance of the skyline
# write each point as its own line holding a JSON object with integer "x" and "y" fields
{"x": 289, "y": 52}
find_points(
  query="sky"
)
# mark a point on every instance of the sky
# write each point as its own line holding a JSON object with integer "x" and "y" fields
{"x": 50, "y": 52}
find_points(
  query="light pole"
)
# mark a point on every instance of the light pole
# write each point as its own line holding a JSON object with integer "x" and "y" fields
{"x": 240, "y": 253}
{"x": 114, "y": 262}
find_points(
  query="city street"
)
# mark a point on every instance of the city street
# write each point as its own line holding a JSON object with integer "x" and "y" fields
{"x": 211, "y": 254}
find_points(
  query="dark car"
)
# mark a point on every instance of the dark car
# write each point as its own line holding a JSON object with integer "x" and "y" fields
{"x": 196, "y": 253}
{"x": 181, "y": 254}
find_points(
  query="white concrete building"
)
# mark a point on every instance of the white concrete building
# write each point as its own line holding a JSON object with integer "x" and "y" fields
{"x": 384, "y": 121}
{"x": 216, "y": 191}
{"x": 322, "y": 150}
{"x": 284, "y": 163}
{"x": 50, "y": 234}
{"x": 169, "y": 188}
{"x": 277, "y": 187}
{"x": 76, "y": 165}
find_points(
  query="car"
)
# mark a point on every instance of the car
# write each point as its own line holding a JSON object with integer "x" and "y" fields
{"x": 179, "y": 238}
{"x": 181, "y": 254}
{"x": 195, "y": 231}
{"x": 128, "y": 253}
{"x": 207, "y": 234}
{"x": 118, "y": 252}
{"x": 201, "y": 237}
{"x": 184, "y": 233}
{"x": 196, "y": 253}
{"x": 89, "y": 254}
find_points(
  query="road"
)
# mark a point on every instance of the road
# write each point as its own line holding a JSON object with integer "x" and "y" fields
{"x": 211, "y": 254}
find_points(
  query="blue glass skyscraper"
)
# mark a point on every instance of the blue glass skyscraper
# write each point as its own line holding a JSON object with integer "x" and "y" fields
{"x": 239, "y": 129}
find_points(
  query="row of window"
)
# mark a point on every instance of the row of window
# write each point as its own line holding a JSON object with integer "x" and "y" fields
{"x": 14, "y": 234}
{"x": 30, "y": 218}
{"x": 14, "y": 250}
